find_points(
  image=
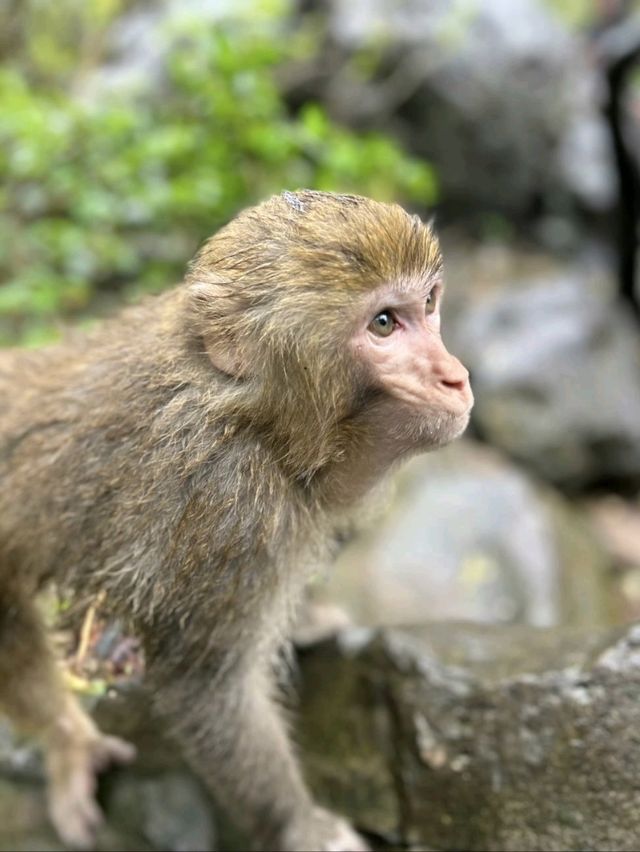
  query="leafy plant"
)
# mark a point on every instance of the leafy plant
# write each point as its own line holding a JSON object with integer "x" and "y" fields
{"x": 106, "y": 197}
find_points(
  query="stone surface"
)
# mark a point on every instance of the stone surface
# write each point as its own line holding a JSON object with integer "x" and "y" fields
{"x": 467, "y": 535}
{"x": 476, "y": 738}
{"x": 554, "y": 360}
{"x": 501, "y": 96}
{"x": 441, "y": 737}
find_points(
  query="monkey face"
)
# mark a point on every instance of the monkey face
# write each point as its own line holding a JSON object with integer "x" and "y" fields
{"x": 289, "y": 292}
{"x": 423, "y": 389}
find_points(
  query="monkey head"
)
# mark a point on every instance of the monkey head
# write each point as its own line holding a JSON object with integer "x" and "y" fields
{"x": 327, "y": 308}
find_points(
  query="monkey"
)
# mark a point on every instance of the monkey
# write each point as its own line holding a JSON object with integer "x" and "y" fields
{"x": 188, "y": 460}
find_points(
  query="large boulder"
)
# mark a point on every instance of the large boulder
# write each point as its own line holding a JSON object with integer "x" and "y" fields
{"x": 460, "y": 737}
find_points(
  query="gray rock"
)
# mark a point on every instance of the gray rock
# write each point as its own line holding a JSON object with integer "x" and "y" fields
{"x": 555, "y": 366}
{"x": 169, "y": 811}
{"x": 459, "y": 737}
{"x": 140, "y": 38}
{"x": 469, "y": 536}
{"x": 499, "y": 95}
{"x": 444, "y": 737}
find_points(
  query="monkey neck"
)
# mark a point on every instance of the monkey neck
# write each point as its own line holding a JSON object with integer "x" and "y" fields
{"x": 366, "y": 453}
{"x": 336, "y": 461}
{"x": 303, "y": 422}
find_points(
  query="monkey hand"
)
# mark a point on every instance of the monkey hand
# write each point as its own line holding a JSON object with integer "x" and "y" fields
{"x": 320, "y": 831}
{"x": 72, "y": 770}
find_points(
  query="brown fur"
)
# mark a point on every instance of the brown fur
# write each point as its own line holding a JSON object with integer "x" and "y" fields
{"x": 198, "y": 500}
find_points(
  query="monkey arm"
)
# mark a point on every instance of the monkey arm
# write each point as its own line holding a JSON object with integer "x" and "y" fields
{"x": 210, "y": 674}
{"x": 34, "y": 697}
{"x": 232, "y": 733}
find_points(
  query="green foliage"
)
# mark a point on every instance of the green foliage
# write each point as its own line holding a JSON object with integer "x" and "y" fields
{"x": 106, "y": 197}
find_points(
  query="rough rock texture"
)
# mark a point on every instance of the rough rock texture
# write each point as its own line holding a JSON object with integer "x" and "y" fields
{"x": 444, "y": 737}
{"x": 461, "y": 737}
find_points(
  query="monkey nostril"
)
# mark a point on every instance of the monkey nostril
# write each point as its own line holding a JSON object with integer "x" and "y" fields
{"x": 455, "y": 384}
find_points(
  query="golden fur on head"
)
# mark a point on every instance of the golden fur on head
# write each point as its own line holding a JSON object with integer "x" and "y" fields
{"x": 302, "y": 253}
{"x": 355, "y": 244}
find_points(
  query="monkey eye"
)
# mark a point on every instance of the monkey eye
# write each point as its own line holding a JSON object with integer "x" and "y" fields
{"x": 431, "y": 302}
{"x": 383, "y": 324}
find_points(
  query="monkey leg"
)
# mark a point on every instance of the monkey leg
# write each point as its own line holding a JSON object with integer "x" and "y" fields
{"x": 234, "y": 738}
{"x": 34, "y": 697}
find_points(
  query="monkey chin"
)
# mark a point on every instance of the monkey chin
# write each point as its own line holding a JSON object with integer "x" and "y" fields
{"x": 430, "y": 429}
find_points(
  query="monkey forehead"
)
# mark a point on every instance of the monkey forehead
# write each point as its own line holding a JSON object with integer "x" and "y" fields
{"x": 310, "y": 238}
{"x": 405, "y": 292}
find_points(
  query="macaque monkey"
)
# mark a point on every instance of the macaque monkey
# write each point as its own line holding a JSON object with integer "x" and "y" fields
{"x": 189, "y": 461}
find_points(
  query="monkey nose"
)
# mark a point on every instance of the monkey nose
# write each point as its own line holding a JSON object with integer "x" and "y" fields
{"x": 451, "y": 374}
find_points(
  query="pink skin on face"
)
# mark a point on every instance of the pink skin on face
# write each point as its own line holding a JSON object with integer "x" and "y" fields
{"x": 401, "y": 345}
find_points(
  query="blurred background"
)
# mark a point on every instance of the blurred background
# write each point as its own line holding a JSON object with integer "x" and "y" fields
{"x": 130, "y": 130}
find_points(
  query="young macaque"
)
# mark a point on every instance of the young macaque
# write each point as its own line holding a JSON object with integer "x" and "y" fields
{"x": 189, "y": 461}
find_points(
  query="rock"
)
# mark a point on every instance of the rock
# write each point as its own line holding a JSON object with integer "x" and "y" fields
{"x": 23, "y": 822}
{"x": 169, "y": 811}
{"x": 459, "y": 737}
{"x": 469, "y": 536}
{"x": 140, "y": 38}
{"x": 156, "y": 804}
{"x": 446, "y": 736}
{"x": 554, "y": 360}
{"x": 500, "y": 96}
{"x": 158, "y": 800}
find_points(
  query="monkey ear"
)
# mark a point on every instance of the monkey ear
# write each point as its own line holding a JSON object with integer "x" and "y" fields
{"x": 224, "y": 356}
{"x": 222, "y": 347}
